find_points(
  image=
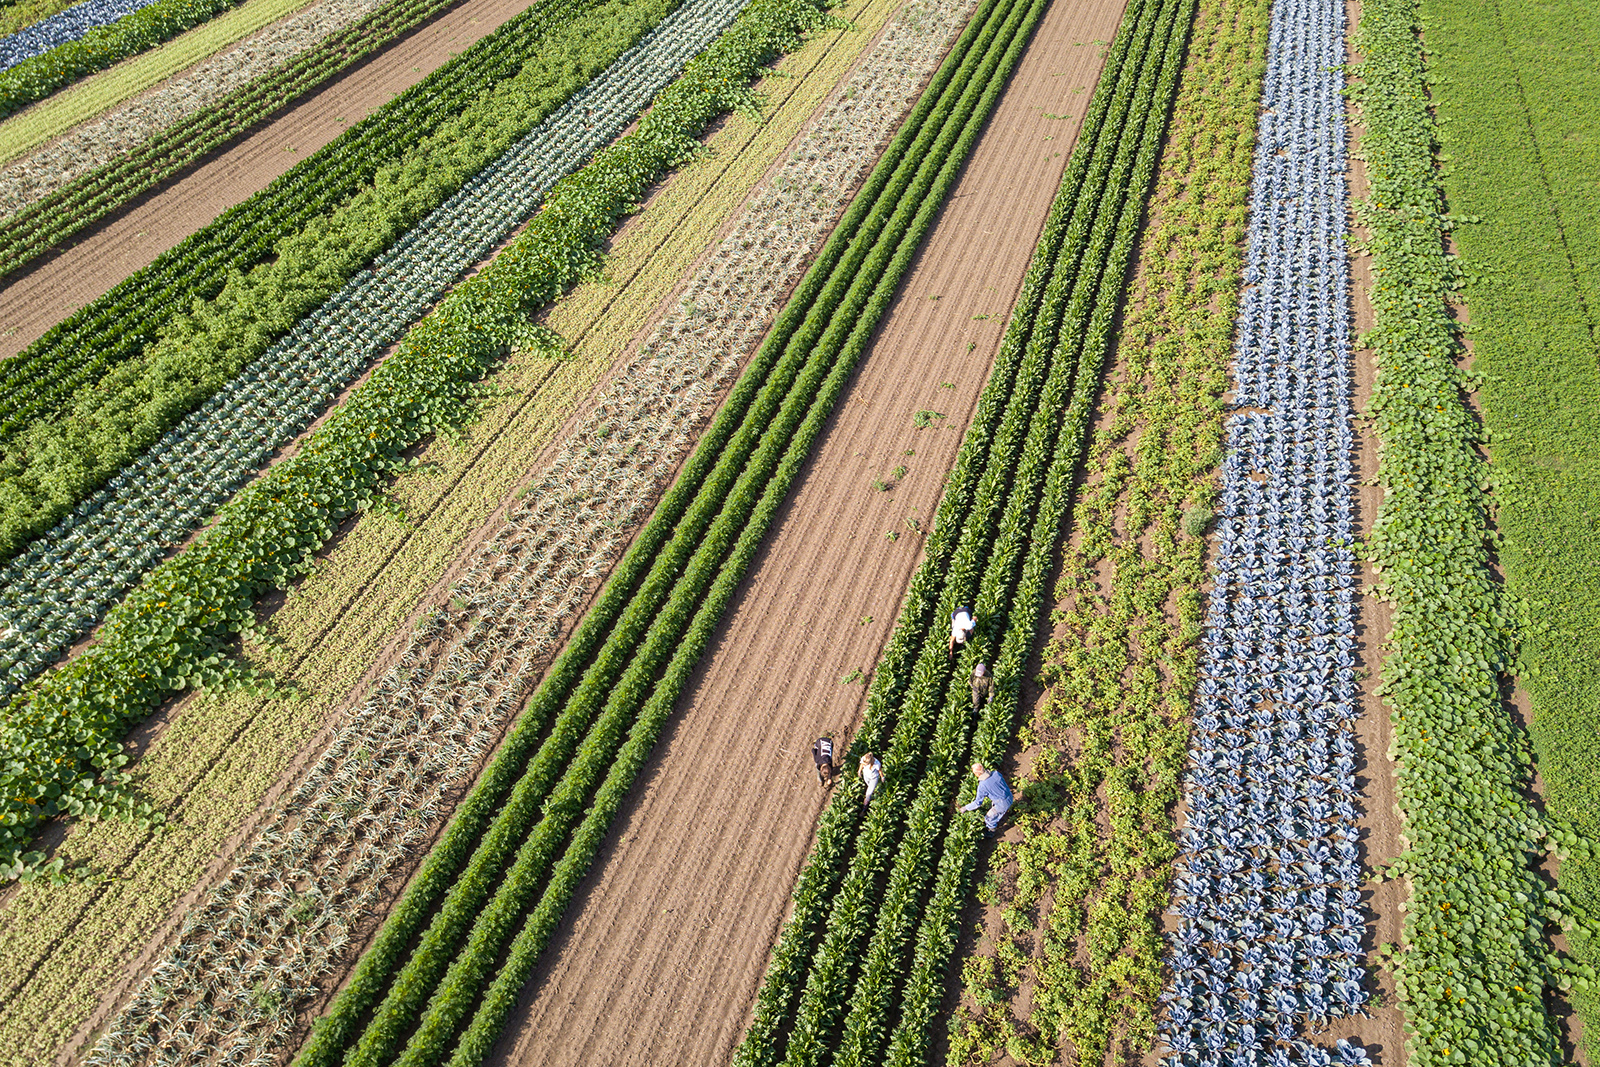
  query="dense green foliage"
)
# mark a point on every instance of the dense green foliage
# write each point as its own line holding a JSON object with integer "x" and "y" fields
{"x": 61, "y": 735}
{"x": 1472, "y": 969}
{"x": 170, "y": 358}
{"x": 1514, "y": 87}
{"x": 36, "y": 78}
{"x": 1081, "y": 894}
{"x": 859, "y": 973}
{"x": 46, "y": 224}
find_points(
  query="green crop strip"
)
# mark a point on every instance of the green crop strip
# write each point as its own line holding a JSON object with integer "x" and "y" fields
{"x": 1473, "y": 967}
{"x": 44, "y": 225}
{"x": 1514, "y": 86}
{"x": 36, "y": 78}
{"x": 591, "y": 725}
{"x": 50, "y": 465}
{"x": 63, "y": 731}
{"x": 1085, "y": 888}
{"x": 859, "y": 973}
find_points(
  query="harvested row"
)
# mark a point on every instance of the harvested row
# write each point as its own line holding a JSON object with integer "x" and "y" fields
{"x": 48, "y": 222}
{"x": 604, "y": 695}
{"x": 1474, "y": 966}
{"x": 297, "y": 886}
{"x": 880, "y": 899}
{"x": 1070, "y": 948}
{"x": 167, "y": 634}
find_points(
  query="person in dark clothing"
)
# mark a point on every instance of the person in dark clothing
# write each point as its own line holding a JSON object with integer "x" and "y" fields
{"x": 822, "y": 752}
{"x": 982, "y": 687}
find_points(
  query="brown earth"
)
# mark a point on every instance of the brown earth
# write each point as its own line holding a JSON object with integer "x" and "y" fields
{"x": 58, "y": 284}
{"x": 1383, "y": 1034}
{"x": 668, "y": 938}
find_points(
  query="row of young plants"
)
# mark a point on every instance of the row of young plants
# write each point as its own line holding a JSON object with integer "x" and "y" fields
{"x": 627, "y": 663}
{"x": 61, "y": 587}
{"x": 1506, "y": 79}
{"x": 326, "y": 856}
{"x": 1075, "y": 903}
{"x": 51, "y": 220}
{"x": 61, "y": 28}
{"x": 63, "y": 731}
{"x": 127, "y": 381}
{"x": 42, "y": 380}
{"x": 1474, "y": 966}
{"x": 1269, "y": 887}
{"x": 99, "y": 47}
{"x": 859, "y": 972}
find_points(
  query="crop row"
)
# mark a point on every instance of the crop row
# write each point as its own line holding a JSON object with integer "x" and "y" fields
{"x": 636, "y": 648}
{"x": 858, "y": 974}
{"x": 96, "y": 47}
{"x": 1269, "y": 890}
{"x": 60, "y": 28}
{"x": 46, "y": 223}
{"x": 168, "y": 633}
{"x": 1472, "y": 968}
{"x": 1076, "y": 901}
{"x": 63, "y": 585}
{"x": 328, "y": 853}
{"x": 119, "y": 326}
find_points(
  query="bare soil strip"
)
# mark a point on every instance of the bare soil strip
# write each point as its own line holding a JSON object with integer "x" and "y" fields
{"x": 57, "y": 285}
{"x": 669, "y": 938}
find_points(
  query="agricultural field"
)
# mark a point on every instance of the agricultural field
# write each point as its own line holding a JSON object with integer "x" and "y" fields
{"x": 455, "y": 458}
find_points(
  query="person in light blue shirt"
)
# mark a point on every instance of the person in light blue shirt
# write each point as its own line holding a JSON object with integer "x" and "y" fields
{"x": 993, "y": 788}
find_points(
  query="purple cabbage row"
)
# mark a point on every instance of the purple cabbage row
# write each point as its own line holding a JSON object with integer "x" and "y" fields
{"x": 62, "y": 28}
{"x": 1268, "y": 944}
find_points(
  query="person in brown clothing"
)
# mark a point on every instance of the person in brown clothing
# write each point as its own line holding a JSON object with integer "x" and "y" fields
{"x": 982, "y": 686}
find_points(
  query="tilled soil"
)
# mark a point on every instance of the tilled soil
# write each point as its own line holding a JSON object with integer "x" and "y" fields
{"x": 58, "y": 284}
{"x": 668, "y": 939}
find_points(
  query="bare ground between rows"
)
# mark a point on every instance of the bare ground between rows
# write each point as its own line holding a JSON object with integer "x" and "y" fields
{"x": 48, "y": 290}
{"x": 669, "y": 935}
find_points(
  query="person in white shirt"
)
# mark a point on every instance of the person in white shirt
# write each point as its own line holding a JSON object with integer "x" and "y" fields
{"x": 872, "y": 774}
{"x": 961, "y": 627}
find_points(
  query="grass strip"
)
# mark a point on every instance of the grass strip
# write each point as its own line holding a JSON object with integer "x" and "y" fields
{"x": 1473, "y": 965}
{"x": 1090, "y": 877}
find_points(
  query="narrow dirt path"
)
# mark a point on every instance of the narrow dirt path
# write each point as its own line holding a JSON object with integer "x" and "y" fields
{"x": 58, "y": 284}
{"x": 669, "y": 937}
